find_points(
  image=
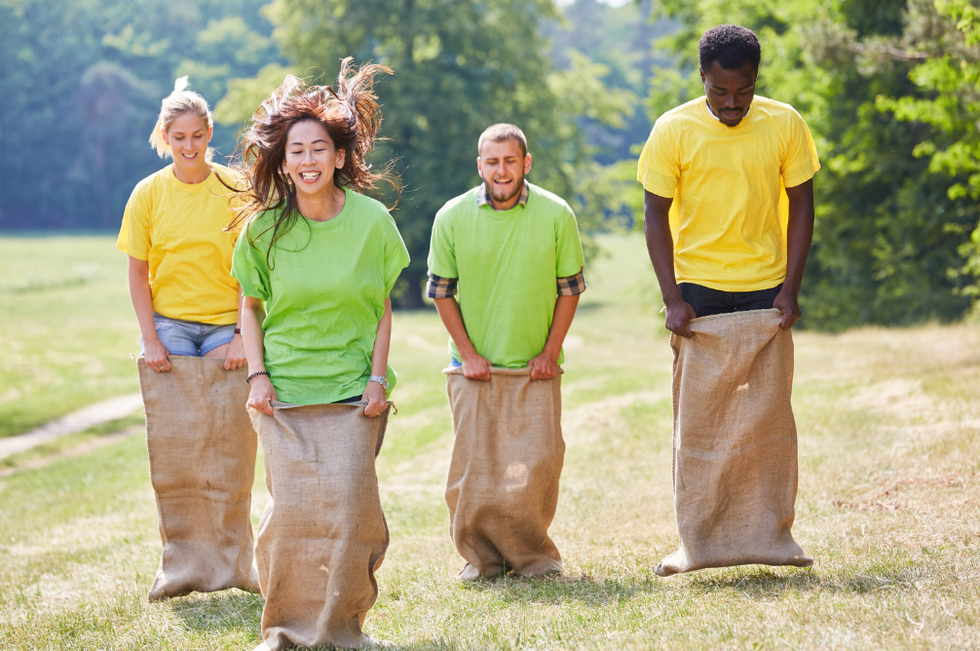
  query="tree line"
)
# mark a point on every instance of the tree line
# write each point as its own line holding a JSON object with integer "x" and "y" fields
{"x": 889, "y": 89}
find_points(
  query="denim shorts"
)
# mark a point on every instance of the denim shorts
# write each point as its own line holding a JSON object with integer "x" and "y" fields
{"x": 190, "y": 338}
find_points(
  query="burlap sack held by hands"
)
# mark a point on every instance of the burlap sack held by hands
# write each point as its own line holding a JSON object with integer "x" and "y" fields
{"x": 202, "y": 463}
{"x": 502, "y": 489}
{"x": 735, "y": 454}
{"x": 323, "y": 534}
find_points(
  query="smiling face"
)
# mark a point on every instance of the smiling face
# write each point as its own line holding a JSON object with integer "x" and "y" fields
{"x": 188, "y": 137}
{"x": 729, "y": 92}
{"x": 311, "y": 158}
{"x": 502, "y": 167}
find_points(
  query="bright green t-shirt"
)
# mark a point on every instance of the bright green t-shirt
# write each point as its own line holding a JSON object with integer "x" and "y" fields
{"x": 507, "y": 263}
{"x": 324, "y": 296}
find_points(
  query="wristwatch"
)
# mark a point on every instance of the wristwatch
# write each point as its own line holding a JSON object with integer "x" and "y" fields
{"x": 380, "y": 379}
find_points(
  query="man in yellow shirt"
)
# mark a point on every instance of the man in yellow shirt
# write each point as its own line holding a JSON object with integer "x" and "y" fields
{"x": 728, "y": 179}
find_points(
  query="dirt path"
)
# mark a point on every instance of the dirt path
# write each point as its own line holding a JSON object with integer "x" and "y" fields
{"x": 80, "y": 420}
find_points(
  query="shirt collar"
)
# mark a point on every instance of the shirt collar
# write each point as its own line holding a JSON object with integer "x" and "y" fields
{"x": 482, "y": 198}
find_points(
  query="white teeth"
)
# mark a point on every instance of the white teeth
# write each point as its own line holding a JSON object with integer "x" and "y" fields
{"x": 309, "y": 176}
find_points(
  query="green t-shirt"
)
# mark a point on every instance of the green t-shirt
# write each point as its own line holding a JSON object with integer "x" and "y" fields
{"x": 507, "y": 264}
{"x": 324, "y": 297}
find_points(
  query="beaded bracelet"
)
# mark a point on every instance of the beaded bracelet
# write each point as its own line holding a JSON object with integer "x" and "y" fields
{"x": 249, "y": 379}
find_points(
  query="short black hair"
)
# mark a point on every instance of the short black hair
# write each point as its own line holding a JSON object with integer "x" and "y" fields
{"x": 731, "y": 46}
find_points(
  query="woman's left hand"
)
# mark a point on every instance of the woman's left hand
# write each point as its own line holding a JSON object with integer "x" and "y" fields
{"x": 235, "y": 356}
{"x": 376, "y": 398}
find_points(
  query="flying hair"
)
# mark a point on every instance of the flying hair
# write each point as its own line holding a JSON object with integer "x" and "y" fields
{"x": 174, "y": 105}
{"x": 349, "y": 113}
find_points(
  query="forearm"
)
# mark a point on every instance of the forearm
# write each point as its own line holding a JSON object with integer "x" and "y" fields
{"x": 252, "y": 313}
{"x": 564, "y": 313}
{"x": 660, "y": 244}
{"x": 799, "y": 234}
{"x": 452, "y": 319}
{"x": 139, "y": 294}
{"x": 382, "y": 343}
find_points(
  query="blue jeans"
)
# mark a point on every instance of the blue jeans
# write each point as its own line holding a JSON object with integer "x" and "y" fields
{"x": 707, "y": 302}
{"x": 190, "y": 338}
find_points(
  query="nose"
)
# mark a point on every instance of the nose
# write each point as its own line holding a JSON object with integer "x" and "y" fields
{"x": 730, "y": 101}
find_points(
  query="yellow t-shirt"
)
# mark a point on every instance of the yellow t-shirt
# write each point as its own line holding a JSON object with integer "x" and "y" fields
{"x": 729, "y": 212}
{"x": 178, "y": 229}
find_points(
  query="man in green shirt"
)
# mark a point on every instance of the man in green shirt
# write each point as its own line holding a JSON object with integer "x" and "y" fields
{"x": 512, "y": 251}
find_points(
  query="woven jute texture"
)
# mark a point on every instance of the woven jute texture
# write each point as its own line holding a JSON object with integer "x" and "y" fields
{"x": 735, "y": 454}
{"x": 202, "y": 463}
{"x": 323, "y": 534}
{"x": 507, "y": 458}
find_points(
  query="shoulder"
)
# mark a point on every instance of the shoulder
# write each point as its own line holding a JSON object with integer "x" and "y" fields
{"x": 225, "y": 176}
{"x": 680, "y": 116}
{"x": 367, "y": 206}
{"x": 781, "y": 114}
{"x": 153, "y": 183}
{"x": 458, "y": 205}
{"x": 544, "y": 198}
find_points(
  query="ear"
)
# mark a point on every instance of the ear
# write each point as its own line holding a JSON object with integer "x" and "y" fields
{"x": 165, "y": 136}
{"x": 479, "y": 166}
{"x": 341, "y": 159}
{"x": 527, "y": 163}
{"x": 702, "y": 75}
{"x": 210, "y": 132}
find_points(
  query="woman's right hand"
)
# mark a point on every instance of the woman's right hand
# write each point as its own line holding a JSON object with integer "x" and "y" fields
{"x": 155, "y": 355}
{"x": 262, "y": 394}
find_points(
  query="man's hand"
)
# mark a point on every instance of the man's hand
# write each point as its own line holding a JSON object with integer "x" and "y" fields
{"x": 679, "y": 313}
{"x": 235, "y": 356}
{"x": 543, "y": 367}
{"x": 788, "y": 306}
{"x": 476, "y": 367}
{"x": 155, "y": 355}
{"x": 377, "y": 401}
{"x": 262, "y": 394}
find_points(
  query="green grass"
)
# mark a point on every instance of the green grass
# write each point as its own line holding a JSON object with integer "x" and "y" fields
{"x": 889, "y": 426}
{"x": 66, "y": 328}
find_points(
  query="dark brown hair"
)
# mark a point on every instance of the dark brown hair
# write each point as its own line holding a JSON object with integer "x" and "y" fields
{"x": 351, "y": 116}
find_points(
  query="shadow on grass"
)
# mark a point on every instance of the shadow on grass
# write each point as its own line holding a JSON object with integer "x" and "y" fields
{"x": 766, "y": 582}
{"x": 229, "y": 611}
{"x": 584, "y": 588}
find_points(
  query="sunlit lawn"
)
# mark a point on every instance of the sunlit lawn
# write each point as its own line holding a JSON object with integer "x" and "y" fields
{"x": 888, "y": 504}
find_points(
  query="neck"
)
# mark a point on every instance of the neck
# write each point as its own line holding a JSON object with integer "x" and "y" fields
{"x": 192, "y": 176}
{"x": 324, "y": 205}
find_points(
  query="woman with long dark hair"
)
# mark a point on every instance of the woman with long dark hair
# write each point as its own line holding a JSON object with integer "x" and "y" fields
{"x": 316, "y": 262}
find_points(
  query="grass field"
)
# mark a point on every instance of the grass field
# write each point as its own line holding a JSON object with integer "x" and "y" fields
{"x": 889, "y": 425}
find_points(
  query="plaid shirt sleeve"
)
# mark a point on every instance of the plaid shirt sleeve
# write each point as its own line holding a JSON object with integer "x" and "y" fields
{"x": 439, "y": 287}
{"x": 572, "y": 285}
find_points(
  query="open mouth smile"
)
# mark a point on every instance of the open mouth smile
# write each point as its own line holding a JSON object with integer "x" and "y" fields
{"x": 310, "y": 176}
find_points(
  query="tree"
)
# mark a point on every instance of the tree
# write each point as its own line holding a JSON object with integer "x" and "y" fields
{"x": 945, "y": 39}
{"x": 459, "y": 66}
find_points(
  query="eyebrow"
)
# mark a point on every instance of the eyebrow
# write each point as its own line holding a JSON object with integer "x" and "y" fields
{"x": 292, "y": 144}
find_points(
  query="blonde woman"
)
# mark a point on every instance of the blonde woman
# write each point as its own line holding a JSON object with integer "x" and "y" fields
{"x": 200, "y": 442}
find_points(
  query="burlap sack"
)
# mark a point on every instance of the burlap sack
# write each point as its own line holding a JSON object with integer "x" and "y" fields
{"x": 735, "y": 456}
{"x": 323, "y": 534}
{"x": 502, "y": 489}
{"x": 202, "y": 463}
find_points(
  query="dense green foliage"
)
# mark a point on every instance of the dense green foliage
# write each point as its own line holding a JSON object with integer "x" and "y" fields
{"x": 889, "y": 241}
{"x": 82, "y": 82}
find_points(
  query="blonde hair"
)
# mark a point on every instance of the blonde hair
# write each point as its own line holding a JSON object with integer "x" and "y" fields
{"x": 174, "y": 105}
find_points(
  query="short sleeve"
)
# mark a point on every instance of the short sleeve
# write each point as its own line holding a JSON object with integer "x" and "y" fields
{"x": 442, "y": 254}
{"x": 568, "y": 246}
{"x": 396, "y": 254}
{"x": 134, "y": 234}
{"x": 659, "y": 168}
{"x": 800, "y": 160}
{"x": 249, "y": 268}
